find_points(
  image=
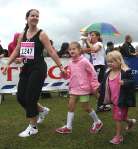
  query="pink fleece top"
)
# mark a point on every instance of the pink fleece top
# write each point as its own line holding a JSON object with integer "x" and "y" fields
{"x": 114, "y": 86}
{"x": 82, "y": 76}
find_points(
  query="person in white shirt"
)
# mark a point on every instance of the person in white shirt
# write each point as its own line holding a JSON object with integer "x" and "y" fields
{"x": 97, "y": 57}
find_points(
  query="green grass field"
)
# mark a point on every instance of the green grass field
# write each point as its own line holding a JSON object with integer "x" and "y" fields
{"x": 12, "y": 121}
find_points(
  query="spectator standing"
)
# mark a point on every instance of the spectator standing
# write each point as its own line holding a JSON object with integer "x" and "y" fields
{"x": 110, "y": 46}
{"x": 97, "y": 58}
{"x": 127, "y": 49}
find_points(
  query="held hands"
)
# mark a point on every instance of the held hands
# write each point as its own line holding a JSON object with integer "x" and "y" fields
{"x": 65, "y": 72}
{"x": 62, "y": 69}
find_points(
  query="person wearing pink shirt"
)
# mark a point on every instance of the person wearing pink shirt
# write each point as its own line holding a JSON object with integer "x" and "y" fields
{"x": 118, "y": 89}
{"x": 83, "y": 81}
{"x": 13, "y": 44}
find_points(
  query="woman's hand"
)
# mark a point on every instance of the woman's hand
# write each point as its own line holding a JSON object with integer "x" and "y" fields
{"x": 63, "y": 71}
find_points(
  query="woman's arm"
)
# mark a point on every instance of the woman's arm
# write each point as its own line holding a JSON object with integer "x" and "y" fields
{"x": 96, "y": 48}
{"x": 92, "y": 49}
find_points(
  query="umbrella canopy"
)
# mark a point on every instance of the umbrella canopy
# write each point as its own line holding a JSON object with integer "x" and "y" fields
{"x": 102, "y": 28}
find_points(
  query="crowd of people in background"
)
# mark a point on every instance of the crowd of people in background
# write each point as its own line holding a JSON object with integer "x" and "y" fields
{"x": 127, "y": 49}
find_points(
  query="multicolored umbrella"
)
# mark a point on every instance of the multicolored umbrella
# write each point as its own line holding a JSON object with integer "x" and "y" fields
{"x": 102, "y": 28}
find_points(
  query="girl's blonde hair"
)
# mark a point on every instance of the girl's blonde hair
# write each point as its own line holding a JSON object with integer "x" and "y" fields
{"x": 117, "y": 57}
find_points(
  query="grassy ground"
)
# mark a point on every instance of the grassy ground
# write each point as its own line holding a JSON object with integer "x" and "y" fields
{"x": 12, "y": 121}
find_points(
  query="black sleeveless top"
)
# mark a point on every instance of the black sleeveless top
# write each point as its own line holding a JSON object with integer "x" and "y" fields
{"x": 38, "y": 48}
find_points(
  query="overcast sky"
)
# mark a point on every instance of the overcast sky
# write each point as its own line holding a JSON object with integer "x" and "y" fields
{"x": 63, "y": 19}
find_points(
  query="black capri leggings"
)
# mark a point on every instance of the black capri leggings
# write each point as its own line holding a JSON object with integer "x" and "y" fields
{"x": 100, "y": 69}
{"x": 29, "y": 88}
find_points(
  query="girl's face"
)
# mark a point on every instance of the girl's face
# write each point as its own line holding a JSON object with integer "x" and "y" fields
{"x": 112, "y": 64}
{"x": 33, "y": 18}
{"x": 93, "y": 38}
{"x": 74, "y": 51}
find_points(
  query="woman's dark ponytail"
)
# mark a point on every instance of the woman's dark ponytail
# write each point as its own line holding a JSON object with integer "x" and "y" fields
{"x": 26, "y": 27}
{"x": 27, "y": 15}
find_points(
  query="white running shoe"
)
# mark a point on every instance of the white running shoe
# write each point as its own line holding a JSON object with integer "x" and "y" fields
{"x": 28, "y": 132}
{"x": 42, "y": 115}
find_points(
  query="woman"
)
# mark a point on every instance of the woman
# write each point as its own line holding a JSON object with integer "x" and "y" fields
{"x": 30, "y": 47}
{"x": 96, "y": 48}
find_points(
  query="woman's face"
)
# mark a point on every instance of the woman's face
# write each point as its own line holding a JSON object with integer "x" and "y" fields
{"x": 33, "y": 18}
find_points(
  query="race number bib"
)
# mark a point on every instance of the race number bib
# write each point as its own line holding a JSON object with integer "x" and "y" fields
{"x": 27, "y": 50}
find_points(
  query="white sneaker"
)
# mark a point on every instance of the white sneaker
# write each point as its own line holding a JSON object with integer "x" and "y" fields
{"x": 42, "y": 115}
{"x": 28, "y": 132}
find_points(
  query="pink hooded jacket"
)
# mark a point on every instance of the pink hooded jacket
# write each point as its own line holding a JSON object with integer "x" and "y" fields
{"x": 82, "y": 77}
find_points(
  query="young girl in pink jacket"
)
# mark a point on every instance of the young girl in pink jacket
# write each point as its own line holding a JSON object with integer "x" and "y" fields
{"x": 82, "y": 82}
